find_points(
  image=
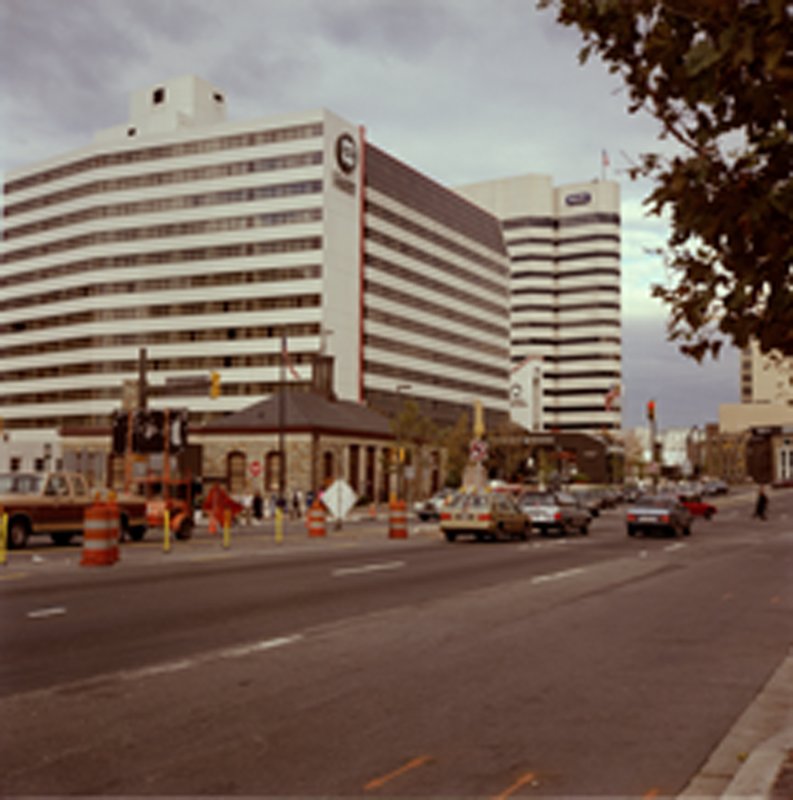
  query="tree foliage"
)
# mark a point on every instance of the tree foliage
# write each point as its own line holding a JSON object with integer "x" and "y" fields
{"x": 718, "y": 77}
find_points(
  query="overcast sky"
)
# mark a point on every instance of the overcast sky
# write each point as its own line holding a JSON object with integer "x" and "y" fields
{"x": 463, "y": 90}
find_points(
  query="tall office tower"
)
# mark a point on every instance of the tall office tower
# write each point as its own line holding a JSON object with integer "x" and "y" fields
{"x": 766, "y": 379}
{"x": 211, "y": 243}
{"x": 564, "y": 247}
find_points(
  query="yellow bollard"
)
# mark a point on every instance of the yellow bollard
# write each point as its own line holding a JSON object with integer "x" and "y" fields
{"x": 3, "y": 539}
{"x": 166, "y": 524}
{"x": 227, "y": 529}
{"x": 279, "y": 526}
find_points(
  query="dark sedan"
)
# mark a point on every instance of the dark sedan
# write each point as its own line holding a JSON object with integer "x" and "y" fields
{"x": 663, "y": 514}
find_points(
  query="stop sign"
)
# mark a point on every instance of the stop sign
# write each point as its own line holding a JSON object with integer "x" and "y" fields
{"x": 255, "y": 468}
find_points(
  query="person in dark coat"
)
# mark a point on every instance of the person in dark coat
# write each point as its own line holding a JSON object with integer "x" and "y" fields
{"x": 761, "y": 506}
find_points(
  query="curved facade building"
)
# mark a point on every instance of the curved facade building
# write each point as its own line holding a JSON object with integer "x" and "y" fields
{"x": 565, "y": 316}
{"x": 209, "y": 243}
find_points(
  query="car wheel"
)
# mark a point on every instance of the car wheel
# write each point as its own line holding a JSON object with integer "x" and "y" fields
{"x": 631, "y": 530}
{"x": 18, "y": 533}
{"x": 687, "y": 530}
{"x": 585, "y": 529}
{"x": 708, "y": 515}
{"x": 61, "y": 539}
{"x": 450, "y": 536}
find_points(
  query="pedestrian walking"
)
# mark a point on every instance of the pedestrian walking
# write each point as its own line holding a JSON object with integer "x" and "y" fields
{"x": 761, "y": 506}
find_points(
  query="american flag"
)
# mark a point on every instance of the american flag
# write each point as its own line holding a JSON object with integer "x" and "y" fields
{"x": 611, "y": 396}
{"x": 287, "y": 360}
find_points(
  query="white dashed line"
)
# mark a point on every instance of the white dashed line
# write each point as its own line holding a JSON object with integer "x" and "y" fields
{"x": 672, "y": 547}
{"x": 44, "y": 613}
{"x": 558, "y": 576}
{"x": 366, "y": 568}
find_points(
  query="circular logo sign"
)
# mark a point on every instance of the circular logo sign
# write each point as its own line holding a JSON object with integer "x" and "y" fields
{"x": 255, "y": 468}
{"x": 346, "y": 153}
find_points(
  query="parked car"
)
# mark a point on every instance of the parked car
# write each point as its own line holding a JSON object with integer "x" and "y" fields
{"x": 555, "y": 512}
{"x": 483, "y": 515}
{"x": 663, "y": 514}
{"x": 715, "y": 487}
{"x": 430, "y": 509}
{"x": 697, "y": 506}
{"x": 54, "y": 504}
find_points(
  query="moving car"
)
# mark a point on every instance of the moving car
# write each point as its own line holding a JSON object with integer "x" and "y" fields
{"x": 484, "y": 515}
{"x": 663, "y": 514}
{"x": 556, "y": 512}
{"x": 55, "y": 503}
{"x": 430, "y": 509}
{"x": 697, "y": 506}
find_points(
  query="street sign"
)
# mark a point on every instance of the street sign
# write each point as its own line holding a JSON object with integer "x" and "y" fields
{"x": 478, "y": 451}
{"x": 255, "y": 468}
{"x": 339, "y": 498}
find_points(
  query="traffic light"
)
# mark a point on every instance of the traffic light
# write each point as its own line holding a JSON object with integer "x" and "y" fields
{"x": 120, "y": 429}
{"x": 651, "y": 410}
{"x": 214, "y": 384}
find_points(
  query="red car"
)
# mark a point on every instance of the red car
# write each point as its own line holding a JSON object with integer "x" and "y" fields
{"x": 697, "y": 506}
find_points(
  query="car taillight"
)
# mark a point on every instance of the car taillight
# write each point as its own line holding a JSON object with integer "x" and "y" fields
{"x": 665, "y": 519}
{"x": 558, "y": 516}
{"x": 484, "y": 518}
{"x": 631, "y": 517}
{"x": 445, "y": 515}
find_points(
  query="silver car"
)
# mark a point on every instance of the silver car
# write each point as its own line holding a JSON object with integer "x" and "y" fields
{"x": 555, "y": 512}
{"x": 663, "y": 514}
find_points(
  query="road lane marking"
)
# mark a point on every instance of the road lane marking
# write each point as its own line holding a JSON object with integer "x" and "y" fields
{"x": 529, "y": 777}
{"x": 414, "y": 763}
{"x": 188, "y": 663}
{"x": 558, "y": 576}
{"x": 382, "y": 567}
{"x": 670, "y": 548}
{"x": 14, "y": 576}
{"x": 45, "y": 613}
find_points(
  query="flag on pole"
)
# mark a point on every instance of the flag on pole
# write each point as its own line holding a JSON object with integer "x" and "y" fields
{"x": 287, "y": 361}
{"x": 604, "y": 158}
{"x": 611, "y": 396}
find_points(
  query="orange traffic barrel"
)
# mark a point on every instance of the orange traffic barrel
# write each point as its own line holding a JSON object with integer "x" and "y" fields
{"x": 316, "y": 519}
{"x": 397, "y": 520}
{"x": 100, "y": 535}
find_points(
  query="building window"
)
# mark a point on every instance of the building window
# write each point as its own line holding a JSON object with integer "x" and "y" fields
{"x": 328, "y": 468}
{"x": 158, "y": 96}
{"x": 235, "y": 472}
{"x": 272, "y": 471}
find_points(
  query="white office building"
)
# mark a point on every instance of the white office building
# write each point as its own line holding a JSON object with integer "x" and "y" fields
{"x": 206, "y": 242}
{"x": 564, "y": 247}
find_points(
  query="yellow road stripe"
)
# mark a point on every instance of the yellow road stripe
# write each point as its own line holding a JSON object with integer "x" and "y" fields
{"x": 377, "y": 783}
{"x": 520, "y": 782}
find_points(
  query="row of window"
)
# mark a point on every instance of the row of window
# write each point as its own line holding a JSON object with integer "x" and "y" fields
{"x": 437, "y": 356}
{"x": 166, "y": 230}
{"x": 178, "y": 256}
{"x": 564, "y": 342}
{"x": 147, "y": 179}
{"x": 164, "y": 284}
{"x": 419, "y": 378}
{"x": 557, "y": 326}
{"x": 556, "y": 242}
{"x": 407, "y": 323}
{"x": 557, "y": 275}
{"x": 151, "y": 338}
{"x": 557, "y": 292}
{"x": 158, "y": 152}
{"x": 415, "y": 303}
{"x": 566, "y": 308}
{"x": 564, "y": 222}
{"x": 558, "y": 258}
{"x": 139, "y": 313}
{"x": 183, "y": 364}
{"x": 399, "y": 221}
{"x": 446, "y": 267}
{"x": 167, "y": 204}
{"x": 378, "y": 264}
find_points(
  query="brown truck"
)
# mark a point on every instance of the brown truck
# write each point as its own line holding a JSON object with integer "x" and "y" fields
{"x": 54, "y": 503}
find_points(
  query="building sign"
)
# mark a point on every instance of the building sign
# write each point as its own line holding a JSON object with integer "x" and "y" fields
{"x": 525, "y": 395}
{"x": 346, "y": 153}
{"x": 578, "y": 199}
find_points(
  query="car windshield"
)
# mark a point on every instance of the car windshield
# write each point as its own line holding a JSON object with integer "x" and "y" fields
{"x": 655, "y": 501}
{"x": 537, "y": 499}
{"x": 20, "y": 483}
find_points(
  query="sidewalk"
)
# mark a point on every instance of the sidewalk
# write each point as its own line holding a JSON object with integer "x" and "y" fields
{"x": 761, "y": 741}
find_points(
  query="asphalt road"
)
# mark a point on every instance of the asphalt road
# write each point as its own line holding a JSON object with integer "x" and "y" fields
{"x": 362, "y": 666}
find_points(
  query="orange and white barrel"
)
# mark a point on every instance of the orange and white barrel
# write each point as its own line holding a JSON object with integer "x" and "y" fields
{"x": 315, "y": 519}
{"x": 100, "y": 535}
{"x": 397, "y": 520}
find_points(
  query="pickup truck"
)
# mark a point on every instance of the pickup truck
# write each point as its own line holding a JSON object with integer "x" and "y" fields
{"x": 54, "y": 503}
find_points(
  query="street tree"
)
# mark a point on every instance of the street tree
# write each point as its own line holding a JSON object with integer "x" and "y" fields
{"x": 717, "y": 75}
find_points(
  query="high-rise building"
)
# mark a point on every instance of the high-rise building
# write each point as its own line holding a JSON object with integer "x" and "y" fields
{"x": 212, "y": 244}
{"x": 766, "y": 378}
{"x": 564, "y": 248}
